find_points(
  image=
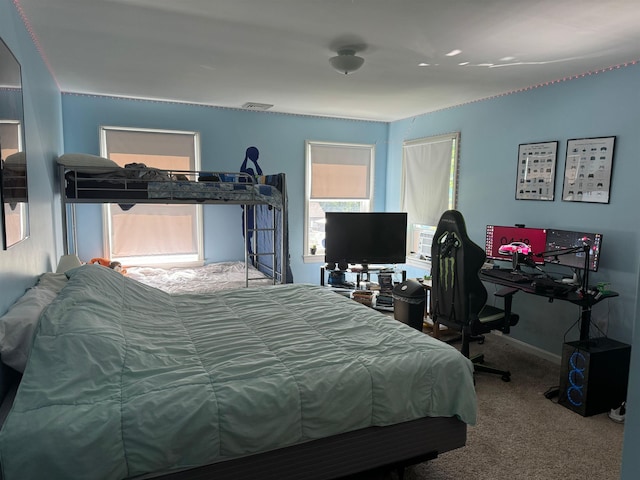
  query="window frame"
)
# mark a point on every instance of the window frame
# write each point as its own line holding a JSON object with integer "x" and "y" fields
{"x": 196, "y": 259}
{"x": 414, "y": 229}
{"x": 309, "y": 144}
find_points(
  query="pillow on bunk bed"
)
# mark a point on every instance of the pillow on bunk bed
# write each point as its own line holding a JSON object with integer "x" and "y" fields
{"x": 94, "y": 163}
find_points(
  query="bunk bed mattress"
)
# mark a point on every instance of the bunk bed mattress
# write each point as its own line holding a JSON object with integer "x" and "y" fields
{"x": 153, "y": 184}
{"x": 181, "y": 190}
{"x": 206, "y": 279}
{"x": 124, "y": 379}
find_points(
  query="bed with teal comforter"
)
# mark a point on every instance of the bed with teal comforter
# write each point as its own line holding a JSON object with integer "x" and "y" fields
{"x": 125, "y": 380}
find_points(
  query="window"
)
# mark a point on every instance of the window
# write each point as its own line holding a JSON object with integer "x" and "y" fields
{"x": 15, "y": 213}
{"x": 339, "y": 178}
{"x": 153, "y": 234}
{"x": 429, "y": 188}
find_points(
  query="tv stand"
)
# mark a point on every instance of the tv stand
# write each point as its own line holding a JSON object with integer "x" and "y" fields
{"x": 363, "y": 274}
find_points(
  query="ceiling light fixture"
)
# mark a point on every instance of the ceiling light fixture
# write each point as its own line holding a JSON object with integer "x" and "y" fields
{"x": 346, "y": 61}
{"x": 453, "y": 53}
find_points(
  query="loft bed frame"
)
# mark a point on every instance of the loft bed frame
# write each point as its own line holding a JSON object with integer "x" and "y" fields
{"x": 265, "y": 199}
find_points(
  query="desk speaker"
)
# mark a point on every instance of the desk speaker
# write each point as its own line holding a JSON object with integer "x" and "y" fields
{"x": 594, "y": 375}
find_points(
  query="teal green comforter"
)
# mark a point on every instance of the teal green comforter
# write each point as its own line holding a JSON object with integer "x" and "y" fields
{"x": 124, "y": 379}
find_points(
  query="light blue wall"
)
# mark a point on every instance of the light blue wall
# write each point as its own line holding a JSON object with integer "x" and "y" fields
{"x": 20, "y": 265}
{"x": 224, "y": 134}
{"x": 597, "y": 105}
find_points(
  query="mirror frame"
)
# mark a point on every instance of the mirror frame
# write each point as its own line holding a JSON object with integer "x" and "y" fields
{"x": 14, "y": 194}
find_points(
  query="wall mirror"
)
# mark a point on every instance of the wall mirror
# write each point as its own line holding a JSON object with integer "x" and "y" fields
{"x": 13, "y": 164}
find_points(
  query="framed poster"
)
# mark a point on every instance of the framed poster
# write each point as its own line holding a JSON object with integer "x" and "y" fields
{"x": 587, "y": 170}
{"x": 536, "y": 171}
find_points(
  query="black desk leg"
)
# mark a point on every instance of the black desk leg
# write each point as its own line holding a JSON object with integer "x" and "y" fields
{"x": 585, "y": 322}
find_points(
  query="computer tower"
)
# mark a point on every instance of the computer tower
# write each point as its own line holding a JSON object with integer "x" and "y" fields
{"x": 594, "y": 375}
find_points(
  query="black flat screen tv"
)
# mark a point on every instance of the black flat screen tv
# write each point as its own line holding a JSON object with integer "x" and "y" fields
{"x": 366, "y": 238}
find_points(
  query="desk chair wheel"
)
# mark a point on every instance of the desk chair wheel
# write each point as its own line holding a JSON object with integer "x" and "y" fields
{"x": 478, "y": 362}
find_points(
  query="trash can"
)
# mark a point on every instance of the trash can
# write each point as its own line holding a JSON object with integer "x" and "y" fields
{"x": 408, "y": 303}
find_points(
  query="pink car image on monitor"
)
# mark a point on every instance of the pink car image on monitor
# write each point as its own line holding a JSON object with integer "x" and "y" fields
{"x": 514, "y": 247}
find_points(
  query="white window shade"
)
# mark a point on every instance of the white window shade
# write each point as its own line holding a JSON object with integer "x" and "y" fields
{"x": 338, "y": 178}
{"x": 151, "y": 234}
{"x": 153, "y": 230}
{"x": 428, "y": 179}
{"x": 160, "y": 144}
{"x": 10, "y": 136}
{"x": 340, "y": 172}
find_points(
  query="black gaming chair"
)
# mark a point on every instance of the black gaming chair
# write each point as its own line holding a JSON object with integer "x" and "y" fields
{"x": 458, "y": 296}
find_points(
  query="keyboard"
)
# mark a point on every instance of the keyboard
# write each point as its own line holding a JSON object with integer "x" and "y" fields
{"x": 548, "y": 285}
{"x": 508, "y": 275}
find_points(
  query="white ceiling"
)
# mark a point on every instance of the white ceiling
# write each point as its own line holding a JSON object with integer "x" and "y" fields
{"x": 230, "y": 52}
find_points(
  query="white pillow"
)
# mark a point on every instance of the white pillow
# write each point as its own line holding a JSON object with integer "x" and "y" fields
{"x": 93, "y": 163}
{"x": 53, "y": 281}
{"x": 18, "y": 325}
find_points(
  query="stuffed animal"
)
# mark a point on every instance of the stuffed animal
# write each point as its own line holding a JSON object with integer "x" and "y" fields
{"x": 117, "y": 266}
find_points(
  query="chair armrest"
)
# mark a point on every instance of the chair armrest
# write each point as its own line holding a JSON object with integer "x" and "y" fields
{"x": 507, "y": 293}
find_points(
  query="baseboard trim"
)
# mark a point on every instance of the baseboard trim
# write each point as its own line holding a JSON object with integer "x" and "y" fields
{"x": 557, "y": 359}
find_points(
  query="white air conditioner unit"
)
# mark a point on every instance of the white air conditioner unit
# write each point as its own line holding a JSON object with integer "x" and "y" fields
{"x": 422, "y": 238}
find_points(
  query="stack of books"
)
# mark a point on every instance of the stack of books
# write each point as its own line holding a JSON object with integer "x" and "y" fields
{"x": 385, "y": 297}
{"x": 363, "y": 296}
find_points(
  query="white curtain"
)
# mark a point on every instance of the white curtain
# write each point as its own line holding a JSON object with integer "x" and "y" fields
{"x": 427, "y": 178}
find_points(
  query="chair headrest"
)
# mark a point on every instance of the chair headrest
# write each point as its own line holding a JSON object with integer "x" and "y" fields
{"x": 449, "y": 241}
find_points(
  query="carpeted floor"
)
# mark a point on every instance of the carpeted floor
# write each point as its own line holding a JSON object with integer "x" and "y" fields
{"x": 520, "y": 434}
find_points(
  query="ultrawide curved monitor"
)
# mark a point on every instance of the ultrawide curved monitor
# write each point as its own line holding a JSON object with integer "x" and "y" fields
{"x": 568, "y": 248}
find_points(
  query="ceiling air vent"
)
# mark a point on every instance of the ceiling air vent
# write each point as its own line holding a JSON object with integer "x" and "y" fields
{"x": 256, "y": 106}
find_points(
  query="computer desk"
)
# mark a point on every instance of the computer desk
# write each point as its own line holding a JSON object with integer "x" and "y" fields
{"x": 584, "y": 300}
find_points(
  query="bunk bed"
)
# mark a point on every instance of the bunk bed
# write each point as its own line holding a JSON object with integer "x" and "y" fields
{"x": 96, "y": 180}
{"x": 124, "y": 381}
